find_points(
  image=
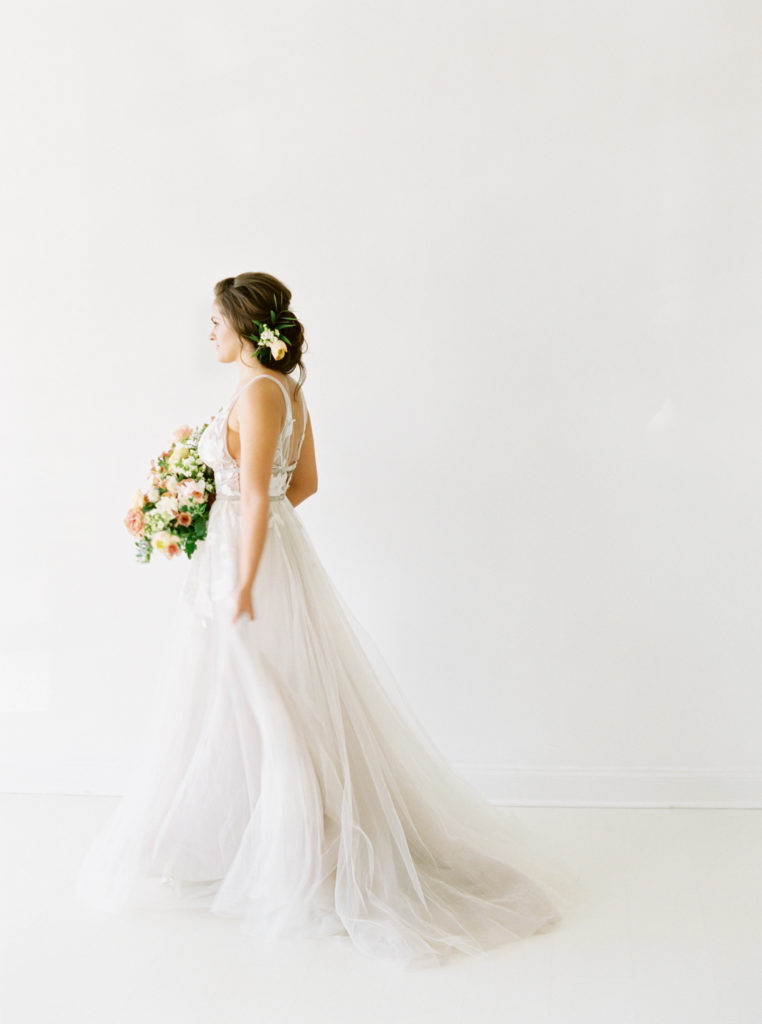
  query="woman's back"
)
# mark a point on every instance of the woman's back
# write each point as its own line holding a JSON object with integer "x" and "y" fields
{"x": 299, "y": 446}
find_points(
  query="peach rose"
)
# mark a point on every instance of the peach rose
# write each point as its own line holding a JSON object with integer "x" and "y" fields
{"x": 134, "y": 522}
{"x": 184, "y": 518}
{"x": 180, "y": 433}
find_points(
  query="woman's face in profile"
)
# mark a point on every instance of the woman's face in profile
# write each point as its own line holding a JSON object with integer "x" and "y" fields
{"x": 226, "y": 341}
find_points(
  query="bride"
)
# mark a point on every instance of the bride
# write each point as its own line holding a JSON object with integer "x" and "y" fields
{"x": 283, "y": 779}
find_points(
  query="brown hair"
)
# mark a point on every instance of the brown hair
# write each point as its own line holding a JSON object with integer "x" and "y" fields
{"x": 251, "y": 296}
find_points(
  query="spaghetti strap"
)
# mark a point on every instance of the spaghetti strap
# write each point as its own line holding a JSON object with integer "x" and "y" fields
{"x": 306, "y": 413}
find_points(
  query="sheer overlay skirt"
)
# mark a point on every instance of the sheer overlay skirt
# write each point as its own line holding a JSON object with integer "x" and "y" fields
{"x": 284, "y": 780}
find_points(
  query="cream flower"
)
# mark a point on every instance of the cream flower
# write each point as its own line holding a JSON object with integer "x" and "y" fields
{"x": 180, "y": 452}
{"x": 168, "y": 503}
{"x": 191, "y": 490}
{"x": 166, "y": 542}
{"x": 274, "y": 342}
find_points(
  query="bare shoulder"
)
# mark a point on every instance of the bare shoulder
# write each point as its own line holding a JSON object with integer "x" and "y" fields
{"x": 258, "y": 400}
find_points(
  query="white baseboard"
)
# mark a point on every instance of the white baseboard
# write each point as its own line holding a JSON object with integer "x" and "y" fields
{"x": 557, "y": 786}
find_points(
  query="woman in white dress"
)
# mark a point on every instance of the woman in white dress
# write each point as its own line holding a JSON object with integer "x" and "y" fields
{"x": 283, "y": 779}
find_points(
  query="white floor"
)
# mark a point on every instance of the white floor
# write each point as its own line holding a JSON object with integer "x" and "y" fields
{"x": 669, "y": 931}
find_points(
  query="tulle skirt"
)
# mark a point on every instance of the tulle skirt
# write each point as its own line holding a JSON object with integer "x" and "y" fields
{"x": 282, "y": 779}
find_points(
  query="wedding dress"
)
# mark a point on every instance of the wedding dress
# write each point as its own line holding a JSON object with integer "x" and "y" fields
{"x": 284, "y": 780}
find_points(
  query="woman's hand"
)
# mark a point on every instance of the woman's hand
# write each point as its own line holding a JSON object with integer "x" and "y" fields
{"x": 243, "y": 604}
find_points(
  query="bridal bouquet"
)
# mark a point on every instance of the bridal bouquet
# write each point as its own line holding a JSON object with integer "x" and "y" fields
{"x": 171, "y": 514}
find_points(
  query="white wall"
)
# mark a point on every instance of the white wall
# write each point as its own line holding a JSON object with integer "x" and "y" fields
{"x": 524, "y": 240}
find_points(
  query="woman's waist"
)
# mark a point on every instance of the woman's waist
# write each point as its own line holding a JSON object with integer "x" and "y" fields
{"x": 237, "y": 497}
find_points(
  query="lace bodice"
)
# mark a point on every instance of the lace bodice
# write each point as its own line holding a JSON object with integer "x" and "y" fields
{"x": 213, "y": 448}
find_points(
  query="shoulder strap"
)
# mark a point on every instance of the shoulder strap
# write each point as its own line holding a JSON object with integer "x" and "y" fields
{"x": 292, "y": 465}
{"x": 304, "y": 427}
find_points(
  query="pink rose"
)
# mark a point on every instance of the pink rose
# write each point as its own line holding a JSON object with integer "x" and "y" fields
{"x": 134, "y": 522}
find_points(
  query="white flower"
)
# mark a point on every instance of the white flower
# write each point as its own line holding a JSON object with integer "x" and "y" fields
{"x": 168, "y": 503}
{"x": 166, "y": 542}
{"x": 191, "y": 490}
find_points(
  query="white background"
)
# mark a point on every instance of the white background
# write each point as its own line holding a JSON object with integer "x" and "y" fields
{"x": 524, "y": 240}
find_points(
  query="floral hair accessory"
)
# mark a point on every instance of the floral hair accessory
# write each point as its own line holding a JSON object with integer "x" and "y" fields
{"x": 268, "y": 335}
